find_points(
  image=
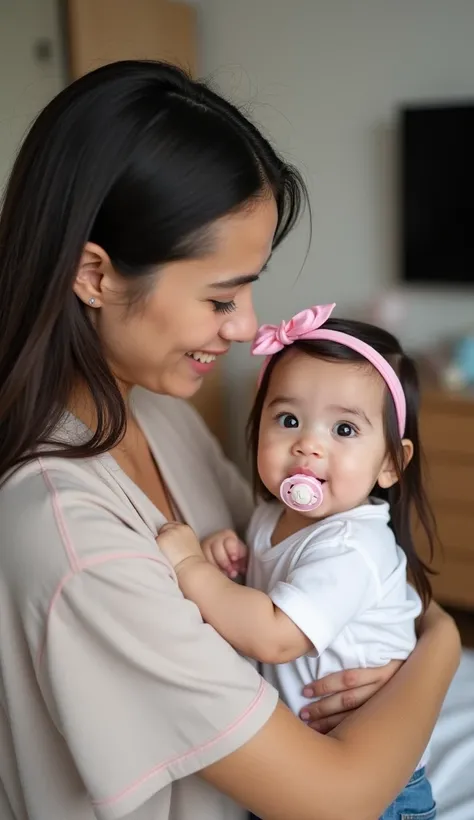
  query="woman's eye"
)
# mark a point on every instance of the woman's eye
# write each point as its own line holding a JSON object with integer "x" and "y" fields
{"x": 345, "y": 430}
{"x": 223, "y": 307}
{"x": 288, "y": 420}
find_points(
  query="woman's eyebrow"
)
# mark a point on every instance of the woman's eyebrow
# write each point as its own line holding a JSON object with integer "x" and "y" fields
{"x": 237, "y": 281}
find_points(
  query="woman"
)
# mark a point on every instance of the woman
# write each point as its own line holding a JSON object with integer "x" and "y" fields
{"x": 140, "y": 210}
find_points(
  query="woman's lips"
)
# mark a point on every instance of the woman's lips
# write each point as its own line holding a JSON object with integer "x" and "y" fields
{"x": 201, "y": 367}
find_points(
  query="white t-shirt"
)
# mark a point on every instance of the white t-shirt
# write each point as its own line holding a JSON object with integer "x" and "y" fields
{"x": 342, "y": 581}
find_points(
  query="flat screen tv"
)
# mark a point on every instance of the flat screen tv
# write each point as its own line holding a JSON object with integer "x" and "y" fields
{"x": 437, "y": 194}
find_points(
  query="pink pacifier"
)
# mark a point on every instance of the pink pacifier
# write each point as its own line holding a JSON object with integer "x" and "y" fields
{"x": 301, "y": 492}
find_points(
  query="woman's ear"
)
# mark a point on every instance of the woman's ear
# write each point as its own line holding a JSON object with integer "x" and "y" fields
{"x": 93, "y": 266}
{"x": 388, "y": 475}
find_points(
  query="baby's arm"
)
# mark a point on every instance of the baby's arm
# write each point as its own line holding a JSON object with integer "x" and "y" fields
{"x": 246, "y": 618}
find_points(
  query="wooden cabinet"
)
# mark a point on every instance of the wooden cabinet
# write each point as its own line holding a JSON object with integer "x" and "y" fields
{"x": 103, "y": 31}
{"x": 447, "y": 432}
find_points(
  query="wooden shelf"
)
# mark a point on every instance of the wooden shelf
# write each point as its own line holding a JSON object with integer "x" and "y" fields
{"x": 447, "y": 435}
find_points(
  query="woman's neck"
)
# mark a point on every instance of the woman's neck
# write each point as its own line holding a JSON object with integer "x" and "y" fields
{"x": 81, "y": 404}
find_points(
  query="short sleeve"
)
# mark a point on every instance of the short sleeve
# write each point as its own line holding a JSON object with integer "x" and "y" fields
{"x": 142, "y": 690}
{"x": 326, "y": 589}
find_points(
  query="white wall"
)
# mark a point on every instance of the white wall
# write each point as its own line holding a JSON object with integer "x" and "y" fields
{"x": 325, "y": 77}
{"x": 26, "y": 84}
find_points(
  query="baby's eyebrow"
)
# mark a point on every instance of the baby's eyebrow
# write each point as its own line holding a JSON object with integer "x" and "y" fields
{"x": 352, "y": 411}
{"x": 282, "y": 400}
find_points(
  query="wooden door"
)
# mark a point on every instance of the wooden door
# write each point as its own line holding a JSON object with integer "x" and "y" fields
{"x": 103, "y": 31}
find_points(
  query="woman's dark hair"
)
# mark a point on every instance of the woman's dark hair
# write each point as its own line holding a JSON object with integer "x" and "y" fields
{"x": 408, "y": 494}
{"x": 140, "y": 159}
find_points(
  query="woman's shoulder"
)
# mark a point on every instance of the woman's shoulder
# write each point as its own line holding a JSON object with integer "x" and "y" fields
{"x": 68, "y": 512}
{"x": 61, "y": 520}
{"x": 59, "y": 514}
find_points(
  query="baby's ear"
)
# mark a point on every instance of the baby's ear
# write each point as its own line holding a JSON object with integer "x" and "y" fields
{"x": 388, "y": 475}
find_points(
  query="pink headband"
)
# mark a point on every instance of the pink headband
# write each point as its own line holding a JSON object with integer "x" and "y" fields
{"x": 271, "y": 339}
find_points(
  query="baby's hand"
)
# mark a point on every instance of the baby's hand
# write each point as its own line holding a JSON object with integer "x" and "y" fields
{"x": 225, "y": 550}
{"x": 178, "y": 542}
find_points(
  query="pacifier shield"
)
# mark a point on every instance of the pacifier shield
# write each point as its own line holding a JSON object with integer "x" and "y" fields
{"x": 301, "y": 492}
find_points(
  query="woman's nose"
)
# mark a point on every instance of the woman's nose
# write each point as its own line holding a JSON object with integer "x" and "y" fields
{"x": 240, "y": 326}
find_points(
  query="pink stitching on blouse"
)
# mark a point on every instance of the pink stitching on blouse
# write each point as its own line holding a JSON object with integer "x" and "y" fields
{"x": 179, "y": 758}
{"x": 93, "y": 562}
{"x": 67, "y": 541}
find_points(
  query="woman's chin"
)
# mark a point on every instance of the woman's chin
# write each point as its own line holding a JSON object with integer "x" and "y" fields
{"x": 177, "y": 386}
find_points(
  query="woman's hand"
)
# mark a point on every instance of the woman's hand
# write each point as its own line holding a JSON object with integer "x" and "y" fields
{"x": 179, "y": 542}
{"x": 341, "y": 693}
{"x": 345, "y": 691}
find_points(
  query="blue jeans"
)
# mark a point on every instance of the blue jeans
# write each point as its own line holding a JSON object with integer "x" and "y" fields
{"x": 415, "y": 802}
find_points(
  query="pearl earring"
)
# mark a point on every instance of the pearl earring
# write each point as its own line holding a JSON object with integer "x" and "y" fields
{"x": 92, "y": 301}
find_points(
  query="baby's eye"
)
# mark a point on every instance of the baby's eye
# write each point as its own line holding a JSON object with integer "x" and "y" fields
{"x": 344, "y": 430}
{"x": 288, "y": 420}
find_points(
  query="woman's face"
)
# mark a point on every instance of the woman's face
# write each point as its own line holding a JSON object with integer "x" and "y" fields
{"x": 193, "y": 312}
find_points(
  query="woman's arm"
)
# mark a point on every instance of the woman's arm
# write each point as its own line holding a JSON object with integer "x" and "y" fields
{"x": 287, "y": 770}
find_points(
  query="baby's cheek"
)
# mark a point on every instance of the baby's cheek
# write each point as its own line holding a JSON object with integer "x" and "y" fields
{"x": 269, "y": 460}
{"x": 356, "y": 473}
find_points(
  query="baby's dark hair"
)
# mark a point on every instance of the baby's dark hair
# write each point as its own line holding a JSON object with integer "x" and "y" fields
{"x": 408, "y": 493}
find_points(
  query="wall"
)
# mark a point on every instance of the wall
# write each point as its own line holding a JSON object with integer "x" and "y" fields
{"x": 26, "y": 83}
{"x": 324, "y": 78}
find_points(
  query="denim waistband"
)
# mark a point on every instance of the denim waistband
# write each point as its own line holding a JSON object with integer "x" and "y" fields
{"x": 418, "y": 775}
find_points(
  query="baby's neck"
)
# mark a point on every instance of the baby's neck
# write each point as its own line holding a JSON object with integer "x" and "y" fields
{"x": 290, "y": 522}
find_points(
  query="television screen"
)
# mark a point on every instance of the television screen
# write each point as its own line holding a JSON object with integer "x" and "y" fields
{"x": 437, "y": 194}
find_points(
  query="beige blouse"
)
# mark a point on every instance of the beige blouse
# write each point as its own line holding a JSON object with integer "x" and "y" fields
{"x": 113, "y": 692}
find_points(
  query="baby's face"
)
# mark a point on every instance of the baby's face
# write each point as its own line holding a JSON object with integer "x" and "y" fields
{"x": 326, "y": 418}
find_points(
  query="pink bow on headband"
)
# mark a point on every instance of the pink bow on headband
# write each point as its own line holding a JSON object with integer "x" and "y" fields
{"x": 272, "y": 338}
{"x": 308, "y": 324}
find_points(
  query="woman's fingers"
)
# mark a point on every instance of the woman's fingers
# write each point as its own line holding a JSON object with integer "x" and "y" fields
{"x": 345, "y": 701}
{"x": 327, "y": 724}
{"x": 352, "y": 679}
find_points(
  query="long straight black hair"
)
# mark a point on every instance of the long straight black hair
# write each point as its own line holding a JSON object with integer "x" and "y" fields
{"x": 140, "y": 159}
{"x": 408, "y": 494}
